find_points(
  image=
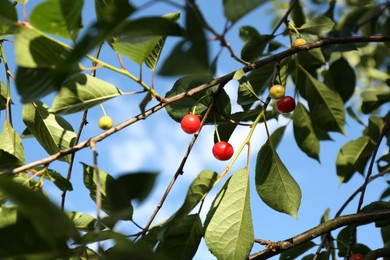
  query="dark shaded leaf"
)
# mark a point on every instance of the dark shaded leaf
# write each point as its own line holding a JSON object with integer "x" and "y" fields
{"x": 235, "y": 9}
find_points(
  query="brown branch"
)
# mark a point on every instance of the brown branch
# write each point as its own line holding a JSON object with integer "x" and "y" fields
{"x": 357, "y": 219}
{"x": 221, "y": 80}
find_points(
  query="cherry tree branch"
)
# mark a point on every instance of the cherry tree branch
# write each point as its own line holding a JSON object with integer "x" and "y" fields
{"x": 221, "y": 80}
{"x": 358, "y": 219}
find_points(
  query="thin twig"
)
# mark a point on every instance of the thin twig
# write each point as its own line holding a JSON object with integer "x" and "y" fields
{"x": 285, "y": 16}
{"x": 359, "y": 219}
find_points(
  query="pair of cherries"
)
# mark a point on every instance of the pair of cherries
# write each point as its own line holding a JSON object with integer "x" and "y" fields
{"x": 222, "y": 150}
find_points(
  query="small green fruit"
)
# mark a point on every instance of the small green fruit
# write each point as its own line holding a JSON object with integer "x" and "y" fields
{"x": 105, "y": 122}
{"x": 277, "y": 92}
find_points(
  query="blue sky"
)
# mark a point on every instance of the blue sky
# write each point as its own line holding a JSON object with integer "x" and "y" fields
{"x": 158, "y": 144}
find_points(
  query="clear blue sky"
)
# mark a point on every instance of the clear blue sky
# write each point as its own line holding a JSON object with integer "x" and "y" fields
{"x": 158, "y": 144}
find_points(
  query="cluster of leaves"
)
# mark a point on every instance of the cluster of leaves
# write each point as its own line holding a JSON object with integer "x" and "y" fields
{"x": 326, "y": 82}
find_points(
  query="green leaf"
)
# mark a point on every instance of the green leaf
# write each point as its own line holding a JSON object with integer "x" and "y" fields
{"x": 8, "y": 18}
{"x": 198, "y": 189}
{"x": 304, "y": 132}
{"x": 254, "y": 47}
{"x": 296, "y": 251}
{"x": 341, "y": 78}
{"x": 297, "y": 14}
{"x": 182, "y": 240}
{"x": 235, "y": 9}
{"x": 246, "y": 94}
{"x": 3, "y": 96}
{"x": 229, "y": 230}
{"x": 51, "y": 223}
{"x": 274, "y": 184}
{"x": 130, "y": 186}
{"x": 261, "y": 79}
{"x": 326, "y": 105}
{"x": 191, "y": 55}
{"x": 106, "y": 180}
{"x": 277, "y": 135}
{"x": 34, "y": 50}
{"x": 352, "y": 157}
{"x": 146, "y": 47}
{"x": 201, "y": 99}
{"x": 81, "y": 92}
{"x": 11, "y": 143}
{"x": 373, "y": 99}
{"x": 82, "y": 222}
{"x": 112, "y": 11}
{"x": 58, "y": 180}
{"x": 317, "y": 26}
{"x": 58, "y": 17}
{"x": 53, "y": 132}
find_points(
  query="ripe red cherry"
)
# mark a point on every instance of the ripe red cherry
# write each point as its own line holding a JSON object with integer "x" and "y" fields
{"x": 286, "y": 104}
{"x": 357, "y": 257}
{"x": 190, "y": 123}
{"x": 223, "y": 151}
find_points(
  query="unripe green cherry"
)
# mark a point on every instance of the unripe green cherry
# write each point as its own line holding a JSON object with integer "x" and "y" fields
{"x": 105, "y": 122}
{"x": 277, "y": 92}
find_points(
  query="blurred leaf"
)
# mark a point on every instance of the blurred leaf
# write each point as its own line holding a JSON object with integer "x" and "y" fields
{"x": 296, "y": 251}
{"x": 112, "y": 12}
{"x": 130, "y": 186}
{"x": 51, "y": 224}
{"x": 311, "y": 57}
{"x": 81, "y": 92}
{"x": 386, "y": 192}
{"x": 274, "y": 184}
{"x": 373, "y": 99}
{"x": 82, "y": 222}
{"x": 235, "y": 9}
{"x": 8, "y": 162}
{"x": 58, "y": 17}
{"x": 353, "y": 156}
{"x": 297, "y": 13}
{"x": 378, "y": 206}
{"x": 304, "y": 133}
{"x": 353, "y": 115}
{"x": 52, "y": 132}
{"x": 182, "y": 240}
{"x": 11, "y": 143}
{"x": 246, "y": 94}
{"x": 106, "y": 180}
{"x": 326, "y": 105}
{"x": 191, "y": 55}
{"x": 202, "y": 99}
{"x": 341, "y": 78}
{"x": 8, "y": 18}
{"x": 317, "y": 26}
{"x": 255, "y": 46}
{"x": 375, "y": 128}
{"x": 229, "y": 230}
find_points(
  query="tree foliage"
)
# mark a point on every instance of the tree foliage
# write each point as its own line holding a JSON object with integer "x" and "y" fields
{"x": 342, "y": 72}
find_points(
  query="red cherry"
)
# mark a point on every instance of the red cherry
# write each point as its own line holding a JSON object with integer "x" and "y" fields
{"x": 223, "y": 151}
{"x": 286, "y": 104}
{"x": 357, "y": 257}
{"x": 190, "y": 123}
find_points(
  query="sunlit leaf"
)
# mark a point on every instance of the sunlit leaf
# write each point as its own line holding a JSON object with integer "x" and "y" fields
{"x": 81, "y": 92}
{"x": 82, "y": 222}
{"x": 326, "y": 105}
{"x": 246, "y": 94}
{"x": 229, "y": 230}
{"x": 8, "y": 18}
{"x": 53, "y": 132}
{"x": 3, "y": 96}
{"x": 317, "y": 26}
{"x": 274, "y": 184}
{"x": 11, "y": 143}
{"x": 58, "y": 17}
{"x": 373, "y": 99}
{"x": 353, "y": 157}
{"x": 181, "y": 241}
{"x": 304, "y": 133}
{"x": 235, "y": 9}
